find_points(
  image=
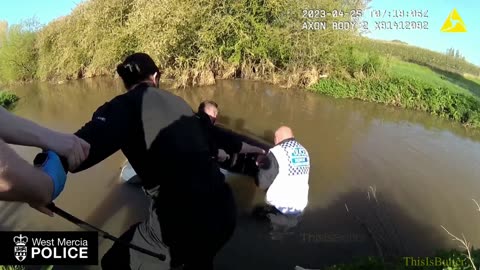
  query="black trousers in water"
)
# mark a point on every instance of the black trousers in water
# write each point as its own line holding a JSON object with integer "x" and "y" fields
{"x": 189, "y": 236}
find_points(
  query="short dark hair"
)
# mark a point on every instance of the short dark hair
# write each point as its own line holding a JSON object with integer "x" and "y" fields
{"x": 136, "y": 68}
{"x": 205, "y": 103}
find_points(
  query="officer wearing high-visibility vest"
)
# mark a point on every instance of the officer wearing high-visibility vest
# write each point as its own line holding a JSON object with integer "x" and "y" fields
{"x": 284, "y": 174}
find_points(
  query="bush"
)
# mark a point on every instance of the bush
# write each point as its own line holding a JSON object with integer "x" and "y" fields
{"x": 442, "y": 260}
{"x": 420, "y": 56}
{"x": 18, "y": 56}
{"x": 406, "y": 93}
{"x": 361, "y": 63}
{"x": 194, "y": 41}
{"x": 8, "y": 100}
{"x": 11, "y": 267}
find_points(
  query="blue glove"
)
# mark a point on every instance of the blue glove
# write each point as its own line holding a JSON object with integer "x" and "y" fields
{"x": 52, "y": 166}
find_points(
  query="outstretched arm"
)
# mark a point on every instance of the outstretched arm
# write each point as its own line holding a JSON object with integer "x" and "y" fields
{"x": 21, "y": 131}
{"x": 107, "y": 131}
{"x": 20, "y": 181}
{"x": 248, "y": 148}
{"x": 232, "y": 144}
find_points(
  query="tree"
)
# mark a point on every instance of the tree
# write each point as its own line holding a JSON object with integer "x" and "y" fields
{"x": 3, "y": 31}
{"x": 18, "y": 56}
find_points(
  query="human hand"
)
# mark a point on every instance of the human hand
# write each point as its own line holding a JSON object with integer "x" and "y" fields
{"x": 73, "y": 148}
{"x": 256, "y": 149}
{"x": 222, "y": 155}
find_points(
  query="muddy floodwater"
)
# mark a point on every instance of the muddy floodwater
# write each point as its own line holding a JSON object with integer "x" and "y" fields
{"x": 382, "y": 179}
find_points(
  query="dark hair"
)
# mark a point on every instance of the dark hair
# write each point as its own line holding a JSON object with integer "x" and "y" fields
{"x": 204, "y": 104}
{"x": 136, "y": 68}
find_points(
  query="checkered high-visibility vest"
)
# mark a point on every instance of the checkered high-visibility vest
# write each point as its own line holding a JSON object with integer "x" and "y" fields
{"x": 289, "y": 190}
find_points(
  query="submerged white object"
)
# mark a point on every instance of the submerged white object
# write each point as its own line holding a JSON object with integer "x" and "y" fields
{"x": 128, "y": 174}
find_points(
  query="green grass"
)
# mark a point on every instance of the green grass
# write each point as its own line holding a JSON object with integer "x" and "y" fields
{"x": 420, "y": 56}
{"x": 196, "y": 42}
{"x": 193, "y": 41}
{"x": 475, "y": 80}
{"x": 425, "y": 74}
{"x": 8, "y": 100}
{"x": 452, "y": 260}
{"x": 21, "y": 267}
{"x": 411, "y": 86}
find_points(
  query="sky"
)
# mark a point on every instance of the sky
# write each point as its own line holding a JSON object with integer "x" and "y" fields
{"x": 467, "y": 43}
{"x": 44, "y": 10}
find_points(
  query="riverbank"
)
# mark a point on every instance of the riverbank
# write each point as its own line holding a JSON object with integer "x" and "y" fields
{"x": 451, "y": 260}
{"x": 8, "y": 100}
{"x": 242, "y": 40}
{"x": 410, "y": 86}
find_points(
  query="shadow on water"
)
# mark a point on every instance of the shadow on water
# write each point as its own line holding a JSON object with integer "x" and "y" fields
{"x": 239, "y": 127}
{"x": 330, "y": 235}
{"x": 115, "y": 201}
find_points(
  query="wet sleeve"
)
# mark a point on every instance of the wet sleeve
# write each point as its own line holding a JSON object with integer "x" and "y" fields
{"x": 107, "y": 131}
{"x": 227, "y": 141}
{"x": 268, "y": 172}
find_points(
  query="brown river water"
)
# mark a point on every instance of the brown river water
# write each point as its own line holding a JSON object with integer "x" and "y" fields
{"x": 400, "y": 174}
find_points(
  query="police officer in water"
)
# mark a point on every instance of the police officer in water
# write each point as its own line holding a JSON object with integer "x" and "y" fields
{"x": 222, "y": 142}
{"x": 284, "y": 175}
{"x": 192, "y": 212}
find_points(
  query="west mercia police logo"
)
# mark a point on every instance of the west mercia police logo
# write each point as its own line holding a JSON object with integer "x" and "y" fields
{"x": 20, "y": 247}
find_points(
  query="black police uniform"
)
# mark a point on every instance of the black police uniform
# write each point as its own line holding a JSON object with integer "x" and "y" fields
{"x": 192, "y": 211}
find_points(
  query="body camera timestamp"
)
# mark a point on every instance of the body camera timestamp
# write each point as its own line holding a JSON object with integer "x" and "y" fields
{"x": 401, "y": 25}
{"x": 335, "y": 13}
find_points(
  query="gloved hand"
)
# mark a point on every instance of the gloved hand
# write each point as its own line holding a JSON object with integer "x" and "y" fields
{"x": 49, "y": 162}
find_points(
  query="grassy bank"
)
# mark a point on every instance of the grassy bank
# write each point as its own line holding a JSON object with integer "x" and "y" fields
{"x": 8, "y": 100}
{"x": 194, "y": 41}
{"x": 406, "y": 85}
{"x": 21, "y": 267}
{"x": 443, "y": 260}
{"x": 197, "y": 42}
{"x": 420, "y": 56}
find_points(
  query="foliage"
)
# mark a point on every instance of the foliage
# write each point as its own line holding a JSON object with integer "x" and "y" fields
{"x": 407, "y": 93}
{"x": 12, "y": 267}
{"x": 451, "y": 61}
{"x": 198, "y": 41}
{"x": 18, "y": 57}
{"x": 21, "y": 267}
{"x": 442, "y": 260}
{"x": 195, "y": 41}
{"x": 8, "y": 100}
{"x": 455, "y": 53}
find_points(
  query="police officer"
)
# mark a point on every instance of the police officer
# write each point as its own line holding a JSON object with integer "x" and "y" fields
{"x": 284, "y": 175}
{"x": 192, "y": 213}
{"x": 223, "y": 143}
